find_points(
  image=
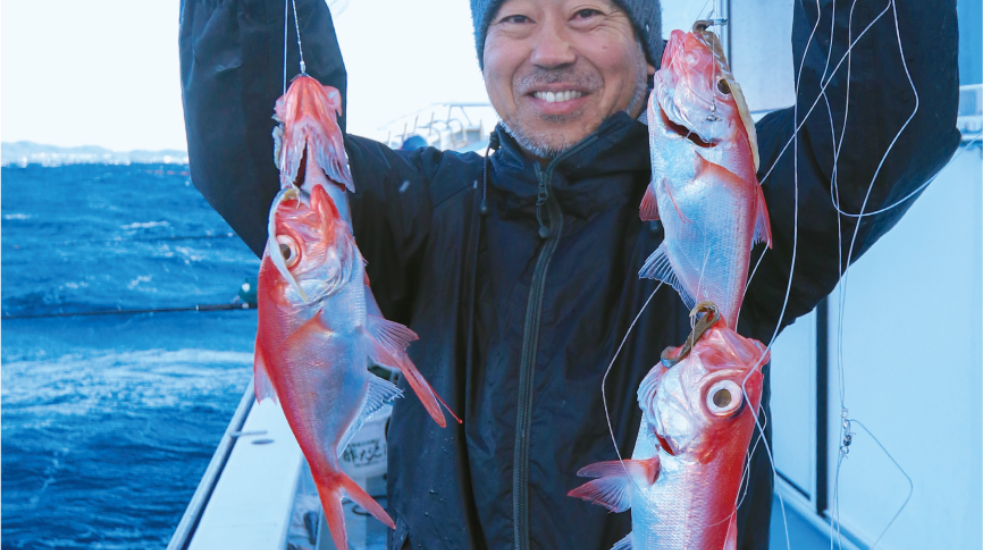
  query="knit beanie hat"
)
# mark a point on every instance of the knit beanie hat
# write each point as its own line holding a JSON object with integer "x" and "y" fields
{"x": 645, "y": 15}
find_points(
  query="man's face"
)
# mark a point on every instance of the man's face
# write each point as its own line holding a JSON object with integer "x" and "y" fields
{"x": 556, "y": 69}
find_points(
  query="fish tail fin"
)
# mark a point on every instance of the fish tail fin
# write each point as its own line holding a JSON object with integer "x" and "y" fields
{"x": 615, "y": 479}
{"x": 649, "y": 209}
{"x": 331, "y": 490}
{"x": 658, "y": 267}
{"x": 262, "y": 386}
{"x": 387, "y": 345}
{"x": 334, "y": 515}
{"x": 762, "y": 221}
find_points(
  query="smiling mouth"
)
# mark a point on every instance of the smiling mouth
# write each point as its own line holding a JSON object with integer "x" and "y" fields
{"x": 558, "y": 97}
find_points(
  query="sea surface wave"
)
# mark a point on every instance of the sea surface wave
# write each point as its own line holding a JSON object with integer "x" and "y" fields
{"x": 109, "y": 421}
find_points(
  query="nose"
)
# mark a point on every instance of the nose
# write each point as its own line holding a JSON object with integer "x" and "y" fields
{"x": 553, "y": 48}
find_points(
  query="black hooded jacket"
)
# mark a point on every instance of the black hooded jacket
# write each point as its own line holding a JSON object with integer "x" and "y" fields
{"x": 520, "y": 309}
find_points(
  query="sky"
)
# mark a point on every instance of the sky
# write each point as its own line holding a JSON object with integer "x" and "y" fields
{"x": 106, "y": 72}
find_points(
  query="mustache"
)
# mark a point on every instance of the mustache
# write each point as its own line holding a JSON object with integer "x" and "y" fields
{"x": 588, "y": 81}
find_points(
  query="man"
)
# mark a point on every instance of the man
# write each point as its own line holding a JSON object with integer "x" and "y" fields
{"x": 519, "y": 273}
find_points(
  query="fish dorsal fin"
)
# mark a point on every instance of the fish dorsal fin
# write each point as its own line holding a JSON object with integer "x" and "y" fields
{"x": 742, "y": 108}
{"x": 713, "y": 42}
{"x": 762, "y": 222}
{"x": 623, "y": 544}
{"x": 657, "y": 267}
{"x": 262, "y": 385}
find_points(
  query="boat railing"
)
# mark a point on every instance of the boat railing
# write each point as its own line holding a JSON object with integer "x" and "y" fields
{"x": 192, "y": 515}
{"x": 446, "y": 126}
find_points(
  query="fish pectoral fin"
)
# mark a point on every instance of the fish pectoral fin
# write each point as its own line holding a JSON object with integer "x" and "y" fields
{"x": 615, "y": 481}
{"x": 657, "y": 267}
{"x": 262, "y": 385}
{"x": 730, "y": 542}
{"x": 762, "y": 221}
{"x": 648, "y": 211}
{"x": 394, "y": 337}
{"x": 387, "y": 340}
{"x": 387, "y": 349}
{"x": 623, "y": 544}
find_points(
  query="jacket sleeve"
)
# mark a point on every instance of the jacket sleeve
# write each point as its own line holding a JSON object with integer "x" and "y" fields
{"x": 232, "y": 72}
{"x": 867, "y": 102}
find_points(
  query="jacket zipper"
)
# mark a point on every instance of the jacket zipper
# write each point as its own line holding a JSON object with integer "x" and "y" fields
{"x": 550, "y": 230}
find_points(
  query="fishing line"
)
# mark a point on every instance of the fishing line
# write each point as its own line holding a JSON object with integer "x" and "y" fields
{"x": 286, "y": 9}
{"x": 300, "y": 47}
{"x": 918, "y": 190}
{"x": 845, "y": 425}
{"x": 911, "y": 485}
{"x": 821, "y": 90}
{"x": 604, "y": 398}
{"x": 795, "y": 246}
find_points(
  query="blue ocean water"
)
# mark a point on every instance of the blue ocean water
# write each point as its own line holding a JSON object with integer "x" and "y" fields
{"x": 108, "y": 422}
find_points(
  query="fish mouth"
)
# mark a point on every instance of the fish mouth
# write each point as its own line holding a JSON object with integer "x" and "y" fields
{"x": 666, "y": 445}
{"x": 684, "y": 132}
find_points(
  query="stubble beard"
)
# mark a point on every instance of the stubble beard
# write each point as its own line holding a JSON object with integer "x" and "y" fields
{"x": 548, "y": 144}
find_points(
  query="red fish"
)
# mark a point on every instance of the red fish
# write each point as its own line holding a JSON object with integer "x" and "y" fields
{"x": 683, "y": 479}
{"x": 704, "y": 187}
{"x": 318, "y": 323}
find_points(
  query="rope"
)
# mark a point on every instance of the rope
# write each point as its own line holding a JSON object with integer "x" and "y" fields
{"x": 136, "y": 240}
{"x": 201, "y": 307}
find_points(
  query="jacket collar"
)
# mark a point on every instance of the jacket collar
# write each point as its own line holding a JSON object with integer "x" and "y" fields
{"x": 609, "y": 163}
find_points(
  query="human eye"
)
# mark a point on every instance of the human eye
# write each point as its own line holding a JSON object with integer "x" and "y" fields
{"x": 586, "y": 13}
{"x": 516, "y": 19}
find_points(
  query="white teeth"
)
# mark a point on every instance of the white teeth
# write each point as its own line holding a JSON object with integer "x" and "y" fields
{"x": 557, "y": 97}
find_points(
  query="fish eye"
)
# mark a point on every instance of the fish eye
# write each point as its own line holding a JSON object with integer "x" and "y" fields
{"x": 723, "y": 86}
{"x": 724, "y": 397}
{"x": 289, "y": 250}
